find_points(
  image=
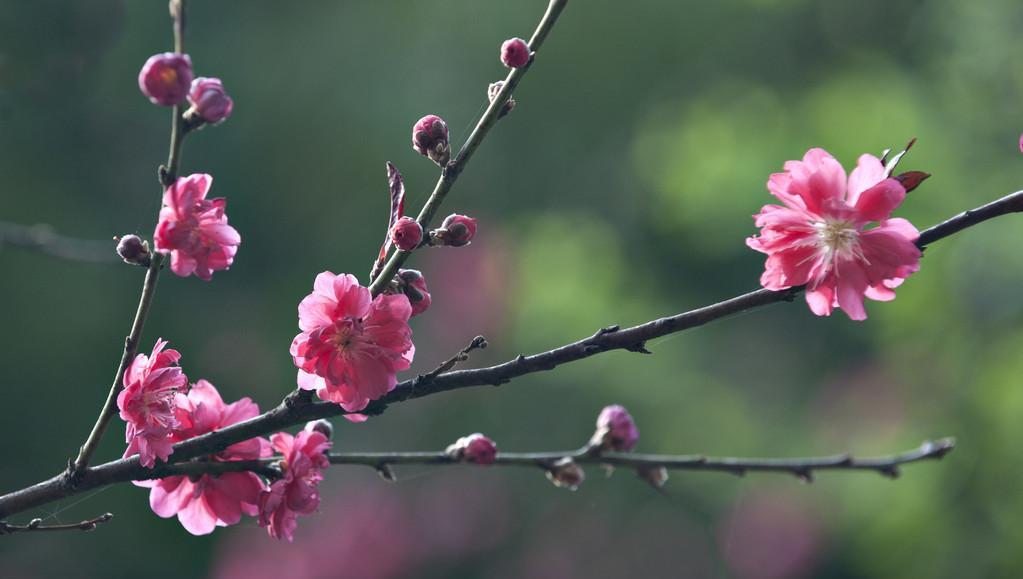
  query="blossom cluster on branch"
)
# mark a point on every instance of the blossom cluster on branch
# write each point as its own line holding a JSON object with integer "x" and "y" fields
{"x": 833, "y": 237}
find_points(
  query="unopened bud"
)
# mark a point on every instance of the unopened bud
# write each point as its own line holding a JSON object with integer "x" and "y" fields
{"x": 514, "y": 53}
{"x": 456, "y": 231}
{"x": 133, "y": 250}
{"x": 406, "y": 234}
{"x": 475, "y": 448}
{"x": 616, "y": 430}
{"x": 165, "y": 78}
{"x": 413, "y": 285}
{"x": 209, "y": 100}
{"x": 430, "y": 139}
{"x": 323, "y": 426}
{"x": 566, "y": 474}
{"x": 492, "y": 90}
{"x": 655, "y": 476}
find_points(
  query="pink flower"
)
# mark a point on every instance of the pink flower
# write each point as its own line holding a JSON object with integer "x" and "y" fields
{"x": 430, "y": 139}
{"x": 475, "y": 448}
{"x": 820, "y": 237}
{"x": 165, "y": 78}
{"x": 296, "y": 493}
{"x": 147, "y": 403}
{"x": 194, "y": 230}
{"x": 616, "y": 430}
{"x": 413, "y": 285}
{"x": 209, "y": 100}
{"x": 456, "y": 230}
{"x": 406, "y": 234}
{"x": 514, "y": 53}
{"x": 351, "y": 345}
{"x": 209, "y": 501}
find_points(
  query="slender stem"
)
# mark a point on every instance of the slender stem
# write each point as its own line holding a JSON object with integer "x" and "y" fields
{"x": 804, "y": 468}
{"x": 168, "y": 174}
{"x": 451, "y": 172}
{"x": 36, "y": 525}
{"x": 131, "y": 344}
{"x": 286, "y": 415}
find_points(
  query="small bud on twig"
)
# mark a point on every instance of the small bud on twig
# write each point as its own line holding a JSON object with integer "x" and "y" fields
{"x": 133, "y": 250}
{"x": 456, "y": 231}
{"x": 430, "y": 139}
{"x": 566, "y": 474}
{"x": 475, "y": 448}
{"x": 492, "y": 92}
{"x": 515, "y": 53}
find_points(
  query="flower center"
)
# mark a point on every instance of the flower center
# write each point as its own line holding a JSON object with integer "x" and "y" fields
{"x": 169, "y": 76}
{"x": 840, "y": 238}
{"x": 346, "y": 332}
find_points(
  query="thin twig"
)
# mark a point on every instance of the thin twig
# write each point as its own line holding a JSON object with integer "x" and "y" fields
{"x": 167, "y": 176}
{"x": 453, "y": 169}
{"x": 802, "y": 468}
{"x": 36, "y": 525}
{"x": 607, "y": 339}
{"x": 478, "y": 343}
{"x": 43, "y": 238}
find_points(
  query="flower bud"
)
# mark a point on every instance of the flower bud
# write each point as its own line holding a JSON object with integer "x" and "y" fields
{"x": 456, "y": 231}
{"x": 133, "y": 250}
{"x": 655, "y": 476}
{"x": 492, "y": 90}
{"x": 209, "y": 101}
{"x": 616, "y": 431}
{"x": 475, "y": 448}
{"x": 514, "y": 53}
{"x": 430, "y": 139}
{"x": 413, "y": 285}
{"x": 323, "y": 426}
{"x": 165, "y": 78}
{"x": 566, "y": 474}
{"x": 406, "y": 234}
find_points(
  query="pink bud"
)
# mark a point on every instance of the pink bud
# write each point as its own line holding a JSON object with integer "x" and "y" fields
{"x": 565, "y": 473}
{"x": 615, "y": 430}
{"x": 456, "y": 231}
{"x": 514, "y": 53}
{"x": 430, "y": 139}
{"x": 475, "y": 448}
{"x": 406, "y": 234}
{"x": 413, "y": 285}
{"x": 165, "y": 78}
{"x": 209, "y": 101}
{"x": 133, "y": 250}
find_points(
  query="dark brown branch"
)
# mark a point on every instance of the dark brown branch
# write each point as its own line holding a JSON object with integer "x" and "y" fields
{"x": 453, "y": 169}
{"x": 803, "y": 468}
{"x": 299, "y": 411}
{"x": 44, "y": 239}
{"x": 36, "y": 525}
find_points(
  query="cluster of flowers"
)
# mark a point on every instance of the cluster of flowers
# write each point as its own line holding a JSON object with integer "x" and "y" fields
{"x": 192, "y": 228}
{"x": 160, "y": 409}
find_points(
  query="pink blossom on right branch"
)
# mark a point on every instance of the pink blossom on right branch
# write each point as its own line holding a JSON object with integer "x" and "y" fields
{"x": 304, "y": 458}
{"x": 352, "y": 345}
{"x": 822, "y": 236}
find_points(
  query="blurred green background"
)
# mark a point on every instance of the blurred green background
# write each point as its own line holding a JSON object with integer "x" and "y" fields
{"x": 619, "y": 190}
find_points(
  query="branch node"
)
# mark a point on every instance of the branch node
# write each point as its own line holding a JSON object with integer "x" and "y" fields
{"x": 639, "y": 348}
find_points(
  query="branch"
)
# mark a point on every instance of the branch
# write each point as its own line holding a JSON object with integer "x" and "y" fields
{"x": 167, "y": 175}
{"x": 36, "y": 525}
{"x": 43, "y": 238}
{"x": 802, "y": 468}
{"x": 297, "y": 411}
{"x": 453, "y": 169}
